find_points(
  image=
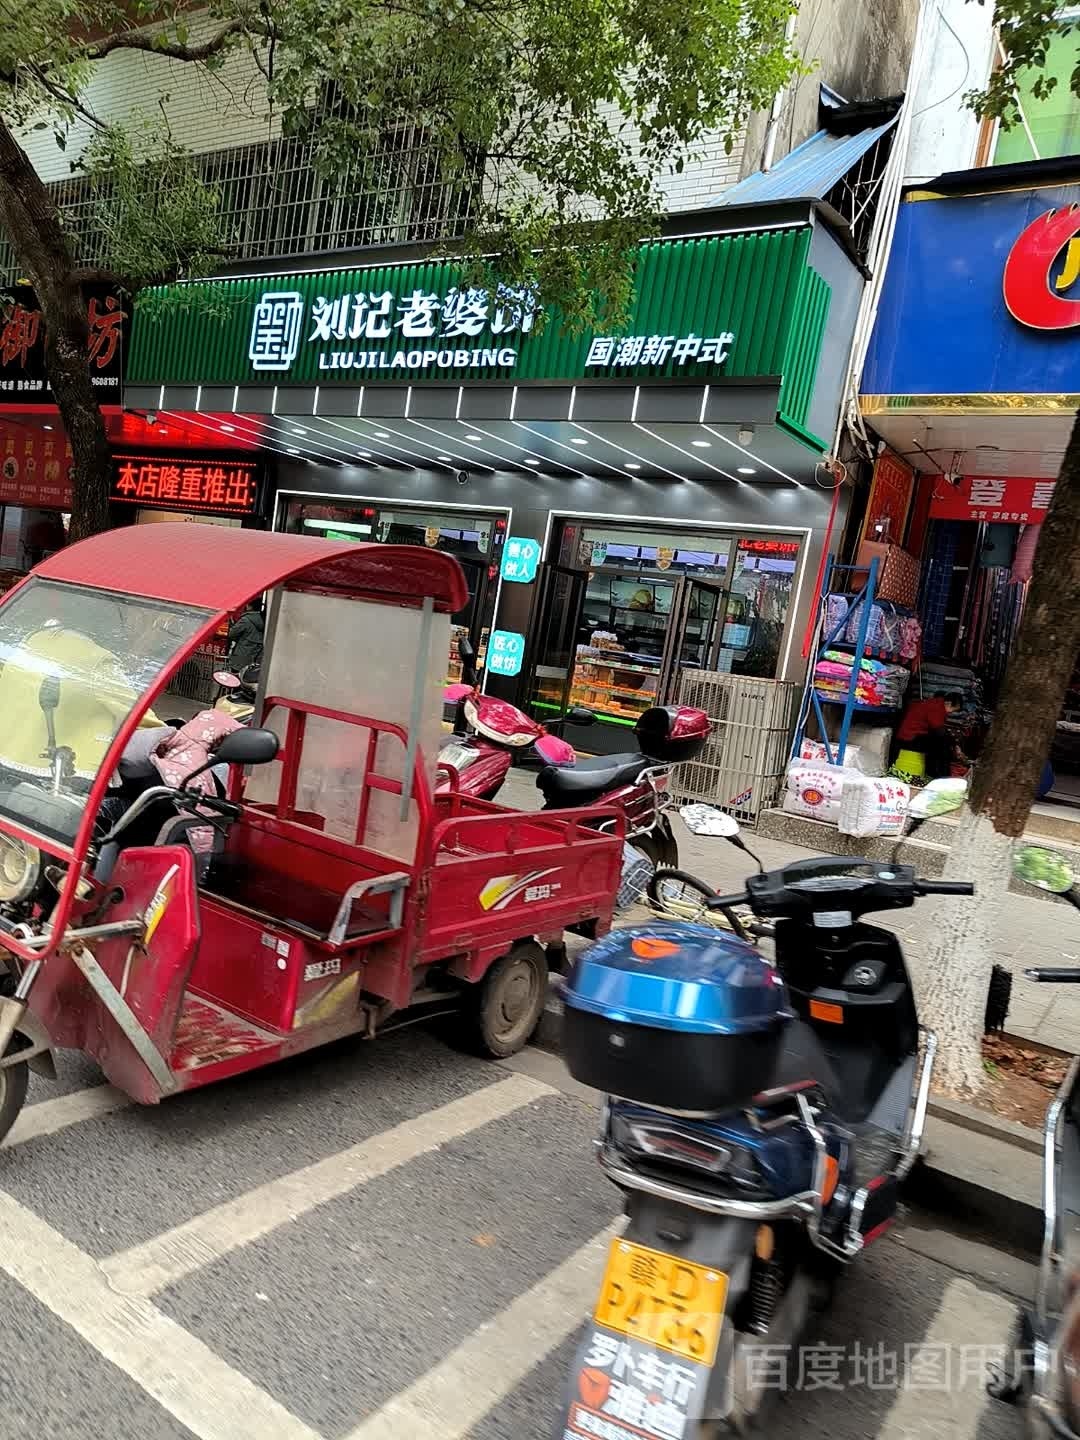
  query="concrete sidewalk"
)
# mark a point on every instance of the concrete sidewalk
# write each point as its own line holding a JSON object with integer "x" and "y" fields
{"x": 1033, "y": 932}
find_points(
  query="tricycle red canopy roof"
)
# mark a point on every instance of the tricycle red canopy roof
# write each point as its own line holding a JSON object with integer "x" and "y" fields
{"x": 218, "y": 567}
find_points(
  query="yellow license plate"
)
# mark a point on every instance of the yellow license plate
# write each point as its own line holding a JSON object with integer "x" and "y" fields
{"x": 663, "y": 1301}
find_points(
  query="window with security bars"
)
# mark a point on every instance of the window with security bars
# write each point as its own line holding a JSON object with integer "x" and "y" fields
{"x": 274, "y": 202}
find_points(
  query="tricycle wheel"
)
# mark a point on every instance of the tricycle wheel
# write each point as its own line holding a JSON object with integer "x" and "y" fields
{"x": 13, "y": 1083}
{"x": 505, "y": 1008}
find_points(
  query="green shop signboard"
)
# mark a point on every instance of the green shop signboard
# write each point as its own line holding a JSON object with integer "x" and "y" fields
{"x": 730, "y": 305}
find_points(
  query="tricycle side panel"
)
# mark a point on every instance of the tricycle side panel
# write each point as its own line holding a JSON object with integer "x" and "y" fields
{"x": 499, "y": 877}
{"x": 248, "y": 965}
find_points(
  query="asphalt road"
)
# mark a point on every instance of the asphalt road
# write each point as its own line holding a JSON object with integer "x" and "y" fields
{"x": 394, "y": 1242}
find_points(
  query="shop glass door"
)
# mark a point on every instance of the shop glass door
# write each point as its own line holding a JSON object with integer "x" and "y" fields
{"x": 694, "y": 639}
{"x": 762, "y": 588}
{"x": 554, "y": 630}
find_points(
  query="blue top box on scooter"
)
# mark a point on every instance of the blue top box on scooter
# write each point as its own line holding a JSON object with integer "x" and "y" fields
{"x": 680, "y": 1017}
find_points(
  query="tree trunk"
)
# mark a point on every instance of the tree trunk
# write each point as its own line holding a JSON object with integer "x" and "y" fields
{"x": 31, "y": 223}
{"x": 1004, "y": 786}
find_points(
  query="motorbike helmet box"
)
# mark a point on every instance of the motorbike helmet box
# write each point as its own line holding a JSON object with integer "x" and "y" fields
{"x": 672, "y": 733}
{"x": 674, "y": 1016}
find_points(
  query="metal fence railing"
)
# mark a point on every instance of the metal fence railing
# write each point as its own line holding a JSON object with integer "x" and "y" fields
{"x": 742, "y": 766}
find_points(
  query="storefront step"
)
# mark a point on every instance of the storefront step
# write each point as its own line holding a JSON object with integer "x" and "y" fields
{"x": 927, "y": 851}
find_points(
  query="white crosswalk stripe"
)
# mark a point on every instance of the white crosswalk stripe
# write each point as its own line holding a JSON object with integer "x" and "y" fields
{"x": 160, "y": 1262}
{"x": 46, "y": 1117}
{"x": 451, "y": 1398}
{"x": 185, "y": 1376}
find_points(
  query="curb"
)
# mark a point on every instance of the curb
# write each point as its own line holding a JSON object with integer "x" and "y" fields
{"x": 975, "y": 1167}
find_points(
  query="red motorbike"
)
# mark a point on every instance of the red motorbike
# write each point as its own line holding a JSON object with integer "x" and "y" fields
{"x": 490, "y": 735}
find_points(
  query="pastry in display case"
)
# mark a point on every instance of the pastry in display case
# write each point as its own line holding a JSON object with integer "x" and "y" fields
{"x": 613, "y": 680}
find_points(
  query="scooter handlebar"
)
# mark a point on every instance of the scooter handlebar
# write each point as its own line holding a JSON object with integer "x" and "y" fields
{"x": 944, "y": 887}
{"x": 725, "y": 902}
{"x": 1061, "y": 975}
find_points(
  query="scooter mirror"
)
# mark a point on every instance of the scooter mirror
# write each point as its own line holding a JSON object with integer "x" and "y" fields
{"x": 580, "y": 715}
{"x": 707, "y": 820}
{"x": 226, "y": 679}
{"x": 940, "y": 797}
{"x": 1046, "y": 869}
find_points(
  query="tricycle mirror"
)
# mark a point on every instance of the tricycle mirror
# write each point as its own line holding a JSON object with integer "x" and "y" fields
{"x": 581, "y": 715}
{"x": 1046, "y": 869}
{"x": 226, "y": 679}
{"x": 247, "y": 747}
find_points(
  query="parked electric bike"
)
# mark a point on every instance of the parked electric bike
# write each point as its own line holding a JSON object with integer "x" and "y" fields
{"x": 759, "y": 1121}
{"x": 1044, "y": 1369}
{"x": 491, "y": 735}
{"x": 637, "y": 781}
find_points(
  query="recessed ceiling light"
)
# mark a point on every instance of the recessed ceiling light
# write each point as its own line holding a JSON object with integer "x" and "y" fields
{"x": 530, "y": 461}
{"x": 298, "y": 430}
{"x": 229, "y": 429}
{"x": 747, "y": 470}
{"x": 474, "y": 437}
{"x": 630, "y": 465}
{"x": 446, "y": 459}
{"x": 364, "y": 454}
{"x": 46, "y": 427}
{"x": 381, "y": 435}
{"x": 701, "y": 444}
{"x": 290, "y": 451}
{"x": 578, "y": 440}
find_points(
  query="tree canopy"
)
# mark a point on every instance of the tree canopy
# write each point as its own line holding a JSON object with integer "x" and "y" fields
{"x": 1027, "y": 28}
{"x": 561, "y": 115}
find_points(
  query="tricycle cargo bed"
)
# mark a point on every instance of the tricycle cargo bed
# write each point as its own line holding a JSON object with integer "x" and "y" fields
{"x": 498, "y": 874}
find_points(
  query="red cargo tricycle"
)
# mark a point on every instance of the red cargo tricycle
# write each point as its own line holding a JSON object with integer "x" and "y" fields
{"x": 181, "y": 935}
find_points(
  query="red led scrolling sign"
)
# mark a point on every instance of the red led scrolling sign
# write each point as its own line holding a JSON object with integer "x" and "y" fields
{"x": 212, "y": 487}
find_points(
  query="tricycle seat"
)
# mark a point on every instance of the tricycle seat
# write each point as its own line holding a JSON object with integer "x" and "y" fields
{"x": 306, "y": 908}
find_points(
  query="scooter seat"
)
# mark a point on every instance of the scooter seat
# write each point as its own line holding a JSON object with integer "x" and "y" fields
{"x": 568, "y": 785}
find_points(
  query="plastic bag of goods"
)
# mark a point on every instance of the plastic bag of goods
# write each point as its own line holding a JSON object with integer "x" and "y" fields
{"x": 874, "y": 806}
{"x": 636, "y": 873}
{"x": 815, "y": 790}
{"x": 815, "y": 750}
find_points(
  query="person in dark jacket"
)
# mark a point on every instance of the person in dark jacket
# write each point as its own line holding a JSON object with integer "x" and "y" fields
{"x": 246, "y": 639}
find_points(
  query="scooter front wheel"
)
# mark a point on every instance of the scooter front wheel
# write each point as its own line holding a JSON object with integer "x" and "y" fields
{"x": 13, "y": 1083}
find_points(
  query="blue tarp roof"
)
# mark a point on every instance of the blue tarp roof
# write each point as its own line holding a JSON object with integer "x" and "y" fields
{"x": 809, "y": 172}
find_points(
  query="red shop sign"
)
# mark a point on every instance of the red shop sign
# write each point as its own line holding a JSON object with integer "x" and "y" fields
{"x": 213, "y": 487}
{"x": 1013, "y": 500}
{"x": 35, "y": 469}
{"x": 769, "y": 547}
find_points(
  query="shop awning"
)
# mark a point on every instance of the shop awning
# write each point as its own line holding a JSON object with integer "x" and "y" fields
{"x": 810, "y": 172}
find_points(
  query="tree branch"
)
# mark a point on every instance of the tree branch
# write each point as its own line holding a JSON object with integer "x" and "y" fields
{"x": 171, "y": 49}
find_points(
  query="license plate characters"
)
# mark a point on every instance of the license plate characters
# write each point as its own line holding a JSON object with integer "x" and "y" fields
{"x": 663, "y": 1301}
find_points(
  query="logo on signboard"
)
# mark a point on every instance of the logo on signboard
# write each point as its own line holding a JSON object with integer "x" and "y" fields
{"x": 1034, "y": 298}
{"x": 275, "y": 331}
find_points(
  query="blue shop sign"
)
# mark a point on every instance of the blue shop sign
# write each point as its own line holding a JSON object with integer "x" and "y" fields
{"x": 982, "y": 297}
{"x": 505, "y": 652}
{"x": 520, "y": 559}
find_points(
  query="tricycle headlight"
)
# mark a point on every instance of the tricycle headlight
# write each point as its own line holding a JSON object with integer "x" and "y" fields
{"x": 20, "y": 869}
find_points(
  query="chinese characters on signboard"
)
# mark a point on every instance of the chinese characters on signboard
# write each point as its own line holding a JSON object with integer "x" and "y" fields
{"x": 281, "y": 324}
{"x": 646, "y": 350}
{"x": 999, "y": 499}
{"x": 35, "y": 469}
{"x": 427, "y": 331}
{"x": 215, "y": 487}
{"x": 520, "y": 559}
{"x": 505, "y": 652}
{"x": 22, "y": 346}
